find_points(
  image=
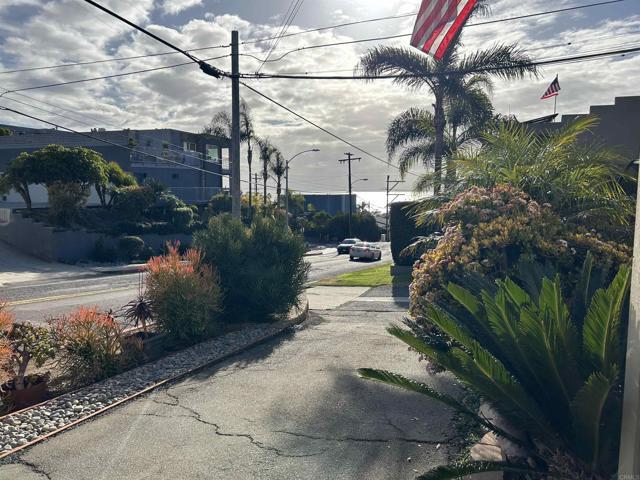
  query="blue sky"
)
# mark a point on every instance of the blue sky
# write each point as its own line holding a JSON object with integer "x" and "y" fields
{"x": 45, "y": 32}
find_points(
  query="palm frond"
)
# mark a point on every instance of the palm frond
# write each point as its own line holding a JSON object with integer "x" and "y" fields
{"x": 411, "y": 125}
{"x": 504, "y": 61}
{"x": 399, "y": 61}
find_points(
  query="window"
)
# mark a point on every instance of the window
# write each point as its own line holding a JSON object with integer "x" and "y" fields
{"x": 190, "y": 147}
{"x": 148, "y": 143}
{"x": 175, "y": 176}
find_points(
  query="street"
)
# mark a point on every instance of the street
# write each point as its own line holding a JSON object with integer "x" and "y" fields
{"x": 37, "y": 301}
{"x": 291, "y": 408}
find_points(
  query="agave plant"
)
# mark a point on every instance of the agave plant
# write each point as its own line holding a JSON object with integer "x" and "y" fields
{"x": 555, "y": 378}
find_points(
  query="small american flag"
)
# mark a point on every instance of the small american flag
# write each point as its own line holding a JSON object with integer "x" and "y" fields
{"x": 553, "y": 89}
{"x": 438, "y": 23}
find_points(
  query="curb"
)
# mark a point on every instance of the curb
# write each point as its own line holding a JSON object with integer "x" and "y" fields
{"x": 295, "y": 317}
{"x": 313, "y": 253}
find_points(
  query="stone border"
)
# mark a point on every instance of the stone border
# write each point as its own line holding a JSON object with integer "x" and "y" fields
{"x": 23, "y": 428}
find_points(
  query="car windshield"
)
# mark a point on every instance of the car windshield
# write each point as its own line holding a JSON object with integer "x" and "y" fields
{"x": 349, "y": 241}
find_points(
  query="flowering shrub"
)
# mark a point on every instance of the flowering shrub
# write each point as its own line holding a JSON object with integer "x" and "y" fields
{"x": 6, "y": 353}
{"x": 91, "y": 345}
{"x": 185, "y": 294}
{"x": 487, "y": 231}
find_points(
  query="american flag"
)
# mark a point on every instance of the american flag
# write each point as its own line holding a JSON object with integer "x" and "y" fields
{"x": 553, "y": 89}
{"x": 438, "y": 23}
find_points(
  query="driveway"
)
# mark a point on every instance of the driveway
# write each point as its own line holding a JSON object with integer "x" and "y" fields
{"x": 289, "y": 409}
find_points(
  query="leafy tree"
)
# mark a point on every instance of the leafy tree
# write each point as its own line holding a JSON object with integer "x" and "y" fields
{"x": 5, "y": 132}
{"x": 19, "y": 175}
{"x": 296, "y": 203}
{"x": 116, "y": 178}
{"x": 448, "y": 79}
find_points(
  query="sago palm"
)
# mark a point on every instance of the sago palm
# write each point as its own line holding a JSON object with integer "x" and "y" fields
{"x": 446, "y": 78}
{"x": 555, "y": 377}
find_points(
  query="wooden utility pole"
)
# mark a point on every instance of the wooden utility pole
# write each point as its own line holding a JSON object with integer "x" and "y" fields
{"x": 255, "y": 185}
{"x": 234, "y": 182}
{"x": 348, "y": 160}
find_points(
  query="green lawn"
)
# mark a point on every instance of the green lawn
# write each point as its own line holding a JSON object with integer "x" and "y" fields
{"x": 369, "y": 277}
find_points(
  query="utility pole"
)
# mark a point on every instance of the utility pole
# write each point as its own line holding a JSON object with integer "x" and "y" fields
{"x": 234, "y": 183}
{"x": 395, "y": 184}
{"x": 255, "y": 184}
{"x": 249, "y": 159}
{"x": 349, "y": 159}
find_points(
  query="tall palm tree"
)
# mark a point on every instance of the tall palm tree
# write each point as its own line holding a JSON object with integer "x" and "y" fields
{"x": 267, "y": 151}
{"x": 413, "y": 130}
{"x": 278, "y": 168}
{"x": 446, "y": 78}
{"x": 220, "y": 126}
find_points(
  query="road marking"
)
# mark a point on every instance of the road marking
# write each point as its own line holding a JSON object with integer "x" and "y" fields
{"x": 68, "y": 295}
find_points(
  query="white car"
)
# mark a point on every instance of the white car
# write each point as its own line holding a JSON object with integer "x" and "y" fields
{"x": 370, "y": 251}
{"x": 346, "y": 244}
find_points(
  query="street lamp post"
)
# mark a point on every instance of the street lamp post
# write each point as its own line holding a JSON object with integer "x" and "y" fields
{"x": 286, "y": 182}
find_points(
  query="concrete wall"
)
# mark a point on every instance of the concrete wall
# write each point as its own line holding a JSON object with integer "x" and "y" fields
{"x": 68, "y": 246}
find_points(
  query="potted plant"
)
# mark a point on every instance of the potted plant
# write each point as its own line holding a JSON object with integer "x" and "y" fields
{"x": 27, "y": 343}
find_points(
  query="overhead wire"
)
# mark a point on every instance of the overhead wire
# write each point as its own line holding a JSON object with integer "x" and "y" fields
{"x": 287, "y": 24}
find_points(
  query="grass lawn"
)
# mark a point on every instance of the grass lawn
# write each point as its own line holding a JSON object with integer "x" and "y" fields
{"x": 369, "y": 277}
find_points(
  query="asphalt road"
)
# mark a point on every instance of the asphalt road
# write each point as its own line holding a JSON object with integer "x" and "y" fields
{"x": 37, "y": 301}
{"x": 292, "y": 408}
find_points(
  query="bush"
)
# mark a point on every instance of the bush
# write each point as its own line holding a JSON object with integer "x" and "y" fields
{"x": 261, "y": 268}
{"x": 184, "y": 293}
{"x": 403, "y": 232}
{"x": 103, "y": 253}
{"x": 363, "y": 226}
{"x": 132, "y": 202}
{"x": 131, "y": 247}
{"x": 182, "y": 218}
{"x": 29, "y": 343}
{"x": 91, "y": 345}
{"x": 65, "y": 201}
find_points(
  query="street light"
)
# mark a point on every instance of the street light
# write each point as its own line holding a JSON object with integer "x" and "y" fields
{"x": 286, "y": 187}
{"x": 359, "y": 180}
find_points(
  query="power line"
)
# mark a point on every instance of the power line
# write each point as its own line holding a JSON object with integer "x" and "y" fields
{"x": 105, "y": 77}
{"x": 572, "y": 59}
{"x": 285, "y": 17}
{"x": 328, "y": 132}
{"x": 285, "y": 27}
{"x": 204, "y": 66}
{"x": 340, "y": 25}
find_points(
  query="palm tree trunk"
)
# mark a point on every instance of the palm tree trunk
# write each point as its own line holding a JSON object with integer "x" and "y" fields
{"x": 278, "y": 189}
{"x": 249, "y": 154}
{"x": 439, "y": 124}
{"x": 265, "y": 175}
{"x": 451, "y": 168}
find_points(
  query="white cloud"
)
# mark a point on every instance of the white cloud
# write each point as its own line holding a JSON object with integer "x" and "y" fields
{"x": 172, "y": 7}
{"x": 57, "y": 32}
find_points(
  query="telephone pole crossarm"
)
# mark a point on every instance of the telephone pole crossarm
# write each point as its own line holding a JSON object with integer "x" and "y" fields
{"x": 348, "y": 160}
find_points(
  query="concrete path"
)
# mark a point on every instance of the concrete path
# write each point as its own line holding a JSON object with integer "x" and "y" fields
{"x": 290, "y": 409}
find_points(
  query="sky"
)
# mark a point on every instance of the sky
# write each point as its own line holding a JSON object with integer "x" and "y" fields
{"x": 37, "y": 33}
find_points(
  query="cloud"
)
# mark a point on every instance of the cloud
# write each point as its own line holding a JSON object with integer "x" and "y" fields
{"x": 185, "y": 98}
{"x": 173, "y": 7}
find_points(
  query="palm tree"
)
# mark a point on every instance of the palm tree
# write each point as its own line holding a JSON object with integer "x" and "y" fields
{"x": 220, "y": 126}
{"x": 278, "y": 168}
{"x": 447, "y": 77}
{"x": 413, "y": 130}
{"x": 267, "y": 151}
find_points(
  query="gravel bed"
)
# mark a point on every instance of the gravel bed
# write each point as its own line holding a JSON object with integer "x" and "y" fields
{"x": 20, "y": 428}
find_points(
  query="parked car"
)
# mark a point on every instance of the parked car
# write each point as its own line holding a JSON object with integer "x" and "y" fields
{"x": 370, "y": 251}
{"x": 346, "y": 244}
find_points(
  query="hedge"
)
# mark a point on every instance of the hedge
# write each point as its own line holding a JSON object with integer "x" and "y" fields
{"x": 403, "y": 231}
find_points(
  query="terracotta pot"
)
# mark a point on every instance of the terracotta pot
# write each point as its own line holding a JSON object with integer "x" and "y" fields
{"x": 29, "y": 396}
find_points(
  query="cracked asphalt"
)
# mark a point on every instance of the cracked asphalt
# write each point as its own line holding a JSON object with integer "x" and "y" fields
{"x": 289, "y": 409}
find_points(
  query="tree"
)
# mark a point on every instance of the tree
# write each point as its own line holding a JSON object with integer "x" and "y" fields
{"x": 278, "y": 168}
{"x": 446, "y": 78}
{"x": 116, "y": 178}
{"x": 413, "y": 130}
{"x": 5, "y": 132}
{"x": 267, "y": 151}
{"x": 18, "y": 176}
{"x": 220, "y": 126}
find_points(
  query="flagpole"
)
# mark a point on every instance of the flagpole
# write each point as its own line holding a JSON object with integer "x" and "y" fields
{"x": 555, "y": 104}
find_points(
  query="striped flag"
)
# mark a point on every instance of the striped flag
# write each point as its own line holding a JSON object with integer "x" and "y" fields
{"x": 438, "y": 23}
{"x": 553, "y": 89}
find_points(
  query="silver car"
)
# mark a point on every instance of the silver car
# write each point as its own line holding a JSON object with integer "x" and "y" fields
{"x": 367, "y": 250}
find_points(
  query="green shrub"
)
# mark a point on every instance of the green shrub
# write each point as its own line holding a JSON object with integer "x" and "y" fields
{"x": 363, "y": 226}
{"x": 103, "y": 253}
{"x": 132, "y": 202}
{"x": 262, "y": 269}
{"x": 91, "y": 345}
{"x": 131, "y": 247}
{"x": 185, "y": 295}
{"x": 65, "y": 201}
{"x": 182, "y": 218}
{"x": 28, "y": 343}
{"x": 556, "y": 376}
{"x": 403, "y": 232}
